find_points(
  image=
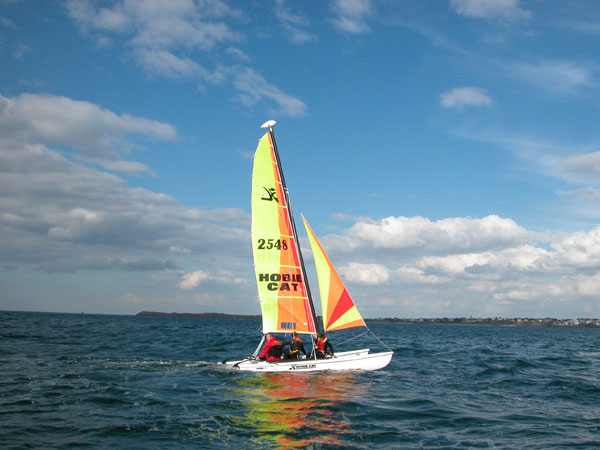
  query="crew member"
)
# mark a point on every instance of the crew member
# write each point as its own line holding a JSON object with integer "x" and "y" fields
{"x": 272, "y": 350}
{"x": 296, "y": 347}
{"x": 323, "y": 347}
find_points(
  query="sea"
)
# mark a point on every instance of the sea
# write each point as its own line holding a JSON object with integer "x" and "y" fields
{"x": 140, "y": 382}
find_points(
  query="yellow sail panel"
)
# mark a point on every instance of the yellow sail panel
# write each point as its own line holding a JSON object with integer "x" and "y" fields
{"x": 281, "y": 290}
{"x": 339, "y": 311}
{"x": 351, "y": 319}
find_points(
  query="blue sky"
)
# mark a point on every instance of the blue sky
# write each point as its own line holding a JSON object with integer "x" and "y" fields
{"x": 446, "y": 153}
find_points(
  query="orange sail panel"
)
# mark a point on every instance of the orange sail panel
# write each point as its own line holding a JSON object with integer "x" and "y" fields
{"x": 281, "y": 287}
{"x": 339, "y": 311}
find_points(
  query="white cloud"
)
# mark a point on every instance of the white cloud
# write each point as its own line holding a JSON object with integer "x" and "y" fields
{"x": 483, "y": 266}
{"x": 85, "y": 219}
{"x": 255, "y": 89}
{"x": 166, "y": 64}
{"x": 293, "y": 24}
{"x": 589, "y": 286}
{"x": 546, "y": 157}
{"x": 446, "y": 235}
{"x": 238, "y": 53}
{"x": 412, "y": 275}
{"x": 585, "y": 166}
{"x": 88, "y": 17}
{"x": 100, "y": 136}
{"x": 587, "y": 194}
{"x": 351, "y": 15}
{"x": 520, "y": 295}
{"x": 194, "y": 279}
{"x": 209, "y": 299}
{"x": 165, "y": 37}
{"x": 60, "y": 215}
{"x": 122, "y": 166}
{"x": 367, "y": 274}
{"x": 465, "y": 96}
{"x": 486, "y": 9}
{"x": 579, "y": 250}
{"x": 131, "y": 298}
{"x": 560, "y": 77}
{"x": 155, "y": 24}
{"x": 7, "y": 22}
{"x": 580, "y": 26}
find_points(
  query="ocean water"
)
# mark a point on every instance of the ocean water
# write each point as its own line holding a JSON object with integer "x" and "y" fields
{"x": 95, "y": 381}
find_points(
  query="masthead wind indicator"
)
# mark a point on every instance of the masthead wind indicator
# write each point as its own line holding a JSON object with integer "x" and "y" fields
{"x": 269, "y": 124}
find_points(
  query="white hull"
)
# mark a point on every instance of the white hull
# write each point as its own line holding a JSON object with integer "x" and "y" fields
{"x": 352, "y": 360}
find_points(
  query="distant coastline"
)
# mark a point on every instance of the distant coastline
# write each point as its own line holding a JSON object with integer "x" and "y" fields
{"x": 197, "y": 315}
{"x": 497, "y": 321}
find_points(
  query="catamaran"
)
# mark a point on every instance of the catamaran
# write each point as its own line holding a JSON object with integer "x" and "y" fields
{"x": 283, "y": 290}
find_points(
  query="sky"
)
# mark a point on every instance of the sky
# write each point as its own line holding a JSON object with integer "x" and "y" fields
{"x": 446, "y": 153}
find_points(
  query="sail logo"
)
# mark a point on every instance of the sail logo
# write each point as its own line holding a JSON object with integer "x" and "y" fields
{"x": 281, "y": 281}
{"x": 272, "y": 195}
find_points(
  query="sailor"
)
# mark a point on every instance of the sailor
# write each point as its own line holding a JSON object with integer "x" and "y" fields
{"x": 296, "y": 347}
{"x": 272, "y": 350}
{"x": 323, "y": 347}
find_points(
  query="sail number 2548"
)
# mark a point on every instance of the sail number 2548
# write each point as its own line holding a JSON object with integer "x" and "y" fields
{"x": 268, "y": 244}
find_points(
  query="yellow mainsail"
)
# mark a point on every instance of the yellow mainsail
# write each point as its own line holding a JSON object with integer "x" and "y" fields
{"x": 279, "y": 276}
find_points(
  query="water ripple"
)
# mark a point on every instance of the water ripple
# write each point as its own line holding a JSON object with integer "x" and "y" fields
{"x": 131, "y": 382}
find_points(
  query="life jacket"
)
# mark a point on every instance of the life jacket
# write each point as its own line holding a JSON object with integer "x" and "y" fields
{"x": 275, "y": 351}
{"x": 296, "y": 346}
{"x": 321, "y": 344}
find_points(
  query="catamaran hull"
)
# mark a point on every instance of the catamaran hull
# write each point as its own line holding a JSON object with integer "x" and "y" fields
{"x": 353, "y": 360}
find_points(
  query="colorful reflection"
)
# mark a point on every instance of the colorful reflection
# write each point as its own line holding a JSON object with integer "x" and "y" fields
{"x": 289, "y": 411}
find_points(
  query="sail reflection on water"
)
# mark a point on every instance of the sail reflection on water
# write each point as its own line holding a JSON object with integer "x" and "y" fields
{"x": 286, "y": 412}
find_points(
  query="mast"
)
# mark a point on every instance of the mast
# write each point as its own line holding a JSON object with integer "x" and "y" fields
{"x": 270, "y": 124}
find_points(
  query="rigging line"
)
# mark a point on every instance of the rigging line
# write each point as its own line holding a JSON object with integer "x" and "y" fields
{"x": 259, "y": 328}
{"x": 352, "y": 338}
{"x": 258, "y": 347}
{"x": 313, "y": 351}
{"x": 377, "y": 337}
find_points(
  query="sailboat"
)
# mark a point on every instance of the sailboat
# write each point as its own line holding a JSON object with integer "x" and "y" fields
{"x": 283, "y": 289}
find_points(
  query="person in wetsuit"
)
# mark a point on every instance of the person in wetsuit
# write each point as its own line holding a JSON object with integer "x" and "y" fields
{"x": 272, "y": 350}
{"x": 323, "y": 347}
{"x": 296, "y": 347}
